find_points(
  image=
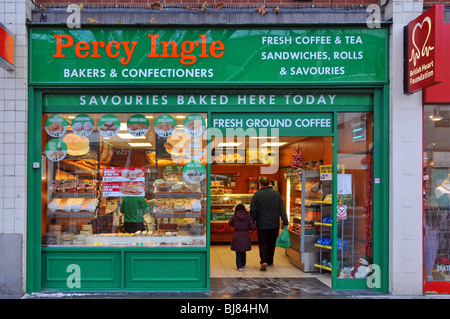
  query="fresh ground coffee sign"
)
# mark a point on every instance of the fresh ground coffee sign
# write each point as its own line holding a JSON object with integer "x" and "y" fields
{"x": 314, "y": 56}
{"x": 287, "y": 124}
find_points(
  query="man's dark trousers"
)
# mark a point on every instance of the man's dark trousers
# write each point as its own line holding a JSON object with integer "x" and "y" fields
{"x": 267, "y": 239}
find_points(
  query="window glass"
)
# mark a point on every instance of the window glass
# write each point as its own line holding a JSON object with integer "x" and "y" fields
{"x": 124, "y": 179}
{"x": 436, "y": 182}
{"x": 354, "y": 194}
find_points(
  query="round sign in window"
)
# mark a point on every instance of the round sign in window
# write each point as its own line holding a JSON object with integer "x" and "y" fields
{"x": 194, "y": 172}
{"x": 165, "y": 125}
{"x": 137, "y": 125}
{"x": 82, "y": 125}
{"x": 109, "y": 125}
{"x": 194, "y": 125}
{"x": 55, "y": 125}
{"x": 55, "y": 150}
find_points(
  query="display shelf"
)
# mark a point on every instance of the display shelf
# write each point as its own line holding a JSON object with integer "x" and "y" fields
{"x": 78, "y": 167}
{"x": 114, "y": 240}
{"x": 323, "y": 246}
{"x": 223, "y": 205}
{"x": 310, "y": 205}
{"x": 71, "y": 214}
{"x": 222, "y": 217}
{"x": 177, "y": 195}
{"x": 178, "y": 215}
{"x": 73, "y": 195}
{"x": 323, "y": 267}
{"x": 323, "y": 224}
{"x": 220, "y": 230}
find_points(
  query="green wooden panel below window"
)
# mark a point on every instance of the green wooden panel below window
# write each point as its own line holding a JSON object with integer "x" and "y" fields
{"x": 165, "y": 270}
{"x": 118, "y": 269}
{"x": 94, "y": 269}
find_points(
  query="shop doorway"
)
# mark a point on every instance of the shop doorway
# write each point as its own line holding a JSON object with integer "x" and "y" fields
{"x": 330, "y": 212}
{"x": 235, "y": 172}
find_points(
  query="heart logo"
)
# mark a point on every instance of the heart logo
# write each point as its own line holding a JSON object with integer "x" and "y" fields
{"x": 416, "y": 52}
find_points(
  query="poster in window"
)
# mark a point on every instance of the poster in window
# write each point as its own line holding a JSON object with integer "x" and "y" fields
{"x": 55, "y": 150}
{"x": 109, "y": 125}
{"x": 56, "y": 125}
{"x": 82, "y": 125}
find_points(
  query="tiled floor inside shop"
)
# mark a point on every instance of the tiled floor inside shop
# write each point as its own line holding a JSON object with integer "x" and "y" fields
{"x": 223, "y": 265}
{"x": 282, "y": 280}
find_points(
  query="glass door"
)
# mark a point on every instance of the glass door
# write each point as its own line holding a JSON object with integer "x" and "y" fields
{"x": 354, "y": 206}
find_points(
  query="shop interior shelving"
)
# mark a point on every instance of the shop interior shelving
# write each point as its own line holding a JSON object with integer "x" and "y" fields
{"x": 222, "y": 210}
{"x": 303, "y": 253}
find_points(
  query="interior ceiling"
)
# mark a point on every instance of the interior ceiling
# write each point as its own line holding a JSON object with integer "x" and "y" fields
{"x": 121, "y": 141}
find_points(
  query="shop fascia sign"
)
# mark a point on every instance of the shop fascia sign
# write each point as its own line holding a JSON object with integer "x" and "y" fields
{"x": 259, "y": 100}
{"x": 315, "y": 56}
{"x": 424, "y": 54}
{"x": 6, "y": 49}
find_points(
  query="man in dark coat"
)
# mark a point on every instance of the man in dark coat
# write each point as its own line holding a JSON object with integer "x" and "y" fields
{"x": 241, "y": 241}
{"x": 266, "y": 208}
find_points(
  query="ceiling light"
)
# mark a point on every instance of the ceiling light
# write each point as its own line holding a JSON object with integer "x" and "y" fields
{"x": 128, "y": 136}
{"x": 437, "y": 118}
{"x": 228, "y": 144}
{"x": 140, "y": 144}
{"x": 149, "y": 116}
{"x": 123, "y": 127}
{"x": 273, "y": 144}
{"x": 180, "y": 116}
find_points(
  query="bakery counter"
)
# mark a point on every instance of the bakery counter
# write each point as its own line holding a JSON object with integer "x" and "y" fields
{"x": 114, "y": 240}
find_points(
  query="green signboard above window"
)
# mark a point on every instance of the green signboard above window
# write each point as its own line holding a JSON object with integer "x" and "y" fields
{"x": 316, "y": 56}
{"x": 210, "y": 100}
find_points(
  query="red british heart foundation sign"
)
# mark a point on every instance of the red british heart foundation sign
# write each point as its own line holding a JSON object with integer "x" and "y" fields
{"x": 6, "y": 48}
{"x": 424, "y": 54}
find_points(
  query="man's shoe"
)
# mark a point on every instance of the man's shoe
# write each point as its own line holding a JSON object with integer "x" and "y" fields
{"x": 263, "y": 267}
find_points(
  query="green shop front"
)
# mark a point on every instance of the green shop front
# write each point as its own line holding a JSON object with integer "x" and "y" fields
{"x": 141, "y": 142}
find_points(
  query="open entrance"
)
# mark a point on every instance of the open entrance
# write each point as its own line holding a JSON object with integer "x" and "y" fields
{"x": 327, "y": 192}
{"x": 292, "y": 164}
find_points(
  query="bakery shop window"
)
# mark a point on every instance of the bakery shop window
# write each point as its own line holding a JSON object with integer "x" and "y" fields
{"x": 124, "y": 179}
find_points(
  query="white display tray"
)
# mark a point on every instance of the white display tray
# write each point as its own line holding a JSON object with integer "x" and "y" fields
{"x": 145, "y": 240}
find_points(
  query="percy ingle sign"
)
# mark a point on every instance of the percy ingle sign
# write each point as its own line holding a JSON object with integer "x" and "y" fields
{"x": 208, "y": 56}
{"x": 187, "y": 52}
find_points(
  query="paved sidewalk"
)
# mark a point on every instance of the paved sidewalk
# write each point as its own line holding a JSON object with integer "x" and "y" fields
{"x": 236, "y": 288}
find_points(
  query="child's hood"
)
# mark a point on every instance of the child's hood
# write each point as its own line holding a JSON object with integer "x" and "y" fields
{"x": 242, "y": 215}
